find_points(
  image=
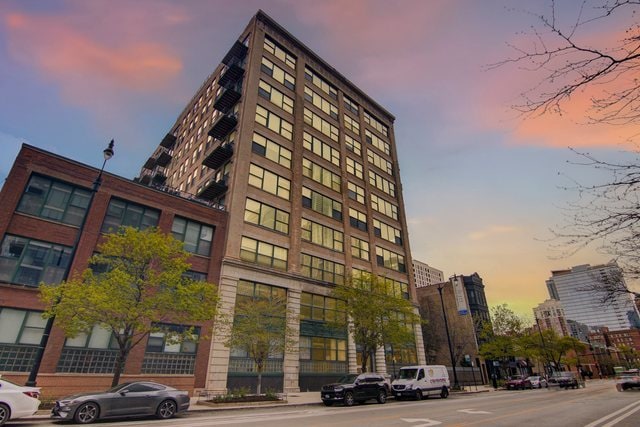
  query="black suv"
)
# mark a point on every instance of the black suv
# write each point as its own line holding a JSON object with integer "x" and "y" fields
{"x": 354, "y": 388}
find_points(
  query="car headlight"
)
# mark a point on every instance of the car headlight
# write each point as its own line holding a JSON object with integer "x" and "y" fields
{"x": 410, "y": 387}
{"x": 338, "y": 389}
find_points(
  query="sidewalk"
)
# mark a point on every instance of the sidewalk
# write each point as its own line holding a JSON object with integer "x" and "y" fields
{"x": 305, "y": 398}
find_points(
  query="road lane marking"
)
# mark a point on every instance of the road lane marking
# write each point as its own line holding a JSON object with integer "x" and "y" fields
{"x": 427, "y": 422}
{"x": 613, "y": 414}
{"x": 472, "y": 411}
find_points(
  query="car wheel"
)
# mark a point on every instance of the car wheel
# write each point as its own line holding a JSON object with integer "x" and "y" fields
{"x": 87, "y": 413}
{"x": 382, "y": 396}
{"x": 326, "y": 403}
{"x": 348, "y": 399}
{"x": 418, "y": 394}
{"x": 444, "y": 393}
{"x": 167, "y": 409}
{"x": 5, "y": 413}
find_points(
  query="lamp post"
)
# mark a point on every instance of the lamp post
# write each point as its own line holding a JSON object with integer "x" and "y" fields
{"x": 456, "y": 385}
{"x": 544, "y": 347}
{"x": 33, "y": 374}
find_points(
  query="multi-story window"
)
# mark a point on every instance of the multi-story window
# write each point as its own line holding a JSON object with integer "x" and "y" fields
{"x": 30, "y": 262}
{"x": 321, "y": 175}
{"x": 121, "y": 213}
{"x": 322, "y": 269}
{"x": 386, "y": 208}
{"x": 278, "y": 74}
{"x": 196, "y": 236}
{"x": 377, "y": 142}
{"x": 382, "y": 183}
{"x": 351, "y": 124}
{"x": 353, "y": 145}
{"x": 273, "y": 95}
{"x": 397, "y": 288}
{"x": 355, "y": 168}
{"x": 261, "y": 214}
{"x": 20, "y": 336}
{"x": 263, "y": 253}
{"x": 252, "y": 290}
{"x": 269, "y": 181}
{"x": 355, "y": 192}
{"x": 321, "y": 203}
{"x": 321, "y": 308}
{"x": 375, "y": 123}
{"x": 391, "y": 260}
{"x": 387, "y": 232}
{"x": 379, "y": 162}
{"x": 323, "y": 349}
{"x": 195, "y": 275}
{"x": 163, "y": 356}
{"x": 92, "y": 352}
{"x": 320, "y": 83}
{"x": 322, "y": 149}
{"x": 279, "y": 52}
{"x": 358, "y": 219}
{"x": 274, "y": 122}
{"x": 271, "y": 150}
{"x": 359, "y": 248}
{"x": 350, "y": 105}
{"x": 322, "y": 235}
{"x": 320, "y": 124}
{"x": 54, "y": 200}
{"x": 324, "y": 105}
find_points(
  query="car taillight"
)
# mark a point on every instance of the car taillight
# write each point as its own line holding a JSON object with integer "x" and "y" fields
{"x": 33, "y": 394}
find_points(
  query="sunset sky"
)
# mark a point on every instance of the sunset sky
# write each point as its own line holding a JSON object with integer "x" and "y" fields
{"x": 482, "y": 186}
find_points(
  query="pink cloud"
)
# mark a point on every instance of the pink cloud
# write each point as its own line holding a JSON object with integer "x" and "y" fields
{"x": 64, "y": 54}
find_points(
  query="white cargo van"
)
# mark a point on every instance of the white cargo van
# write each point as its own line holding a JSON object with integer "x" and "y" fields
{"x": 421, "y": 381}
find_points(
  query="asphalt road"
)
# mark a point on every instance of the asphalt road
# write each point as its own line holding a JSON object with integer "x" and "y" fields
{"x": 598, "y": 405}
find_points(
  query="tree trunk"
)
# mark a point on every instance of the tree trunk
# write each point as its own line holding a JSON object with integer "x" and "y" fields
{"x": 120, "y": 361}
{"x": 365, "y": 359}
{"x": 260, "y": 368}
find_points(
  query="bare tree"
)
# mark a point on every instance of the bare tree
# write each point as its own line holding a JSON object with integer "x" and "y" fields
{"x": 570, "y": 60}
{"x": 609, "y": 287}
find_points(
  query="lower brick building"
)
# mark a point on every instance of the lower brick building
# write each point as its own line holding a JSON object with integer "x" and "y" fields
{"x": 48, "y": 206}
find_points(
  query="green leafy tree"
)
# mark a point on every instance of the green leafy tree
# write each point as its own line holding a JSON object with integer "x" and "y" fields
{"x": 259, "y": 327}
{"x": 140, "y": 285}
{"x": 501, "y": 337}
{"x": 375, "y": 315}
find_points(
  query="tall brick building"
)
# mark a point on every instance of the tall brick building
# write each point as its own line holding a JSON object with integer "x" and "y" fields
{"x": 42, "y": 206}
{"x": 306, "y": 165}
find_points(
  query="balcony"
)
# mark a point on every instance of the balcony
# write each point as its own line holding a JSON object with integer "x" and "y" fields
{"x": 237, "y": 51}
{"x": 227, "y": 99}
{"x": 232, "y": 74}
{"x": 159, "y": 178}
{"x": 218, "y": 155}
{"x": 163, "y": 159}
{"x": 150, "y": 163}
{"x": 223, "y": 126}
{"x": 168, "y": 141}
{"x": 213, "y": 189}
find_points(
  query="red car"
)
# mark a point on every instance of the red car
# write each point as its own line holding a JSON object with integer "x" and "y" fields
{"x": 516, "y": 382}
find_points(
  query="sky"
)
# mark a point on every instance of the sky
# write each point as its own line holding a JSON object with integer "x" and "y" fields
{"x": 482, "y": 185}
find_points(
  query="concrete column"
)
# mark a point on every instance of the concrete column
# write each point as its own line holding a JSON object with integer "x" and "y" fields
{"x": 291, "y": 365}
{"x": 351, "y": 350}
{"x": 219, "y": 355}
{"x": 417, "y": 327}
{"x": 381, "y": 363}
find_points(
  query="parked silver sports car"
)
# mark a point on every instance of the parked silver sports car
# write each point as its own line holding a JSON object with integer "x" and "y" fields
{"x": 140, "y": 398}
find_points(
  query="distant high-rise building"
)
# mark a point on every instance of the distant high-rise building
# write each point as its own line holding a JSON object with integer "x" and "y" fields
{"x": 305, "y": 163}
{"x": 425, "y": 275}
{"x": 550, "y": 315}
{"x": 576, "y": 289}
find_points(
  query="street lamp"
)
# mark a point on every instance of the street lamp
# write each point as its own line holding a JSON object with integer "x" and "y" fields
{"x": 544, "y": 347}
{"x": 456, "y": 385}
{"x": 33, "y": 374}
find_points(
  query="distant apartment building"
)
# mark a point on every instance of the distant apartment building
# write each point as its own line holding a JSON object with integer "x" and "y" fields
{"x": 575, "y": 288}
{"x": 52, "y": 218}
{"x": 474, "y": 287}
{"x": 549, "y": 315}
{"x": 305, "y": 163}
{"x": 425, "y": 275}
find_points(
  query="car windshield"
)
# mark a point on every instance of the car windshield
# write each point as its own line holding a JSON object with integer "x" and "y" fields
{"x": 348, "y": 379}
{"x": 407, "y": 374}
{"x": 534, "y": 378}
